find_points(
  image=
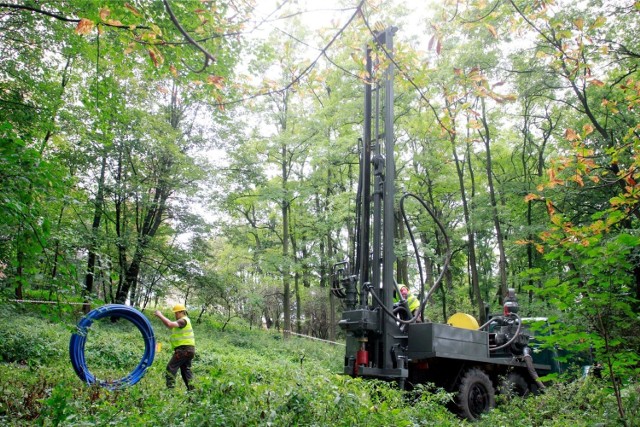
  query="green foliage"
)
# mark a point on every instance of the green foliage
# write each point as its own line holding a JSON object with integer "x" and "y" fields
{"x": 27, "y": 181}
{"x": 31, "y": 341}
{"x": 113, "y": 349}
{"x": 586, "y": 402}
{"x": 595, "y": 296}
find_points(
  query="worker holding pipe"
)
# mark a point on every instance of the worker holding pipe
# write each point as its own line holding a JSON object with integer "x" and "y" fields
{"x": 183, "y": 344}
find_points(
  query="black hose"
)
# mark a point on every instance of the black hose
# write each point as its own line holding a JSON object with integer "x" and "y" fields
{"x": 79, "y": 339}
{"x": 445, "y": 266}
{"x": 513, "y": 338}
{"x": 528, "y": 360}
{"x": 487, "y": 323}
{"x": 447, "y": 259}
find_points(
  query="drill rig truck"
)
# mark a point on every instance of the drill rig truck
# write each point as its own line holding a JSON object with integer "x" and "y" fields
{"x": 384, "y": 340}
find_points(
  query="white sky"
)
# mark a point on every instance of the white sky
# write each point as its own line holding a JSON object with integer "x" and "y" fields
{"x": 334, "y": 13}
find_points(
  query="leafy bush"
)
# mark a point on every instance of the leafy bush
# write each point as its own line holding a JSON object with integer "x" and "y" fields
{"x": 586, "y": 402}
{"x": 30, "y": 340}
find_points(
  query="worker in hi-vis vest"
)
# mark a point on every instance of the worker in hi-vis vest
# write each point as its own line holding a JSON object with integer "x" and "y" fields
{"x": 183, "y": 343}
{"x": 412, "y": 302}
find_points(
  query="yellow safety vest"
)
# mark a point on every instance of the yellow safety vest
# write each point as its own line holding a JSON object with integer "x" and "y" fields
{"x": 182, "y": 336}
{"x": 412, "y": 302}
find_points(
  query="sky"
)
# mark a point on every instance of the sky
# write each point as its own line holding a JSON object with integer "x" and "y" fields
{"x": 333, "y": 13}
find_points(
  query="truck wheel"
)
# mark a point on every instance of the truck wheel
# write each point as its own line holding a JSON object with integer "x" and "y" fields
{"x": 475, "y": 394}
{"x": 514, "y": 384}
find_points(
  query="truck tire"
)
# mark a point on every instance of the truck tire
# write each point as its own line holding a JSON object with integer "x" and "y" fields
{"x": 514, "y": 384}
{"x": 476, "y": 394}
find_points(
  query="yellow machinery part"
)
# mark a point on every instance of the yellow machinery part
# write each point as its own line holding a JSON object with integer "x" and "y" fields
{"x": 464, "y": 321}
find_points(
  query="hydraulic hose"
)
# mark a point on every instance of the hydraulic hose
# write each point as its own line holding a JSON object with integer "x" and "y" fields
{"x": 513, "y": 338}
{"x": 447, "y": 259}
{"x": 528, "y": 360}
{"x": 79, "y": 339}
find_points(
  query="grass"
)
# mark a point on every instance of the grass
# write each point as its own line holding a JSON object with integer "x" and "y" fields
{"x": 243, "y": 378}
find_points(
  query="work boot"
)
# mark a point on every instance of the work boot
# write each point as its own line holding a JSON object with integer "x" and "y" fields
{"x": 171, "y": 380}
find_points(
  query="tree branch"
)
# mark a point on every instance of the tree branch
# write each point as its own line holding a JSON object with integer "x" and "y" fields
{"x": 208, "y": 57}
{"x": 296, "y": 79}
{"x": 43, "y": 12}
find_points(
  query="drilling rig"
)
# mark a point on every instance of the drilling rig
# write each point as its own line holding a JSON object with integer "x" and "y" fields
{"x": 384, "y": 340}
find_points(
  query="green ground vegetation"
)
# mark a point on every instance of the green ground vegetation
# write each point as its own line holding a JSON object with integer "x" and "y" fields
{"x": 245, "y": 377}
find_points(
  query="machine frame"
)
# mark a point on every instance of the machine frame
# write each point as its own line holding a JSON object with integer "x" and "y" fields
{"x": 381, "y": 343}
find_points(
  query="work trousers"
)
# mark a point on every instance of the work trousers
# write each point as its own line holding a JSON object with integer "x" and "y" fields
{"x": 181, "y": 359}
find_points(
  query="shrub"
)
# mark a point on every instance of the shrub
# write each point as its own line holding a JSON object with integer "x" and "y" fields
{"x": 28, "y": 340}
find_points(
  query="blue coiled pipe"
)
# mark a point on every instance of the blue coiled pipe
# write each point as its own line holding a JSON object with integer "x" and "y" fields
{"x": 79, "y": 338}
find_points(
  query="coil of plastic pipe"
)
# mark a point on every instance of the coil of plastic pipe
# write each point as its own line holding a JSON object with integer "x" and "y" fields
{"x": 79, "y": 339}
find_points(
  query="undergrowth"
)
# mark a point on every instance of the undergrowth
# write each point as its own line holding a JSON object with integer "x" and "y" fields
{"x": 244, "y": 378}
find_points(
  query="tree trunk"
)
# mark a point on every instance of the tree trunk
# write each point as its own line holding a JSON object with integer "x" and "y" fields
{"x": 502, "y": 263}
{"x": 150, "y": 225}
{"x": 19, "y": 269}
{"x": 285, "y": 246}
{"x": 298, "y": 304}
{"x": 471, "y": 242}
{"x": 536, "y": 169}
{"x": 332, "y": 298}
{"x": 130, "y": 278}
{"x": 97, "y": 217}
